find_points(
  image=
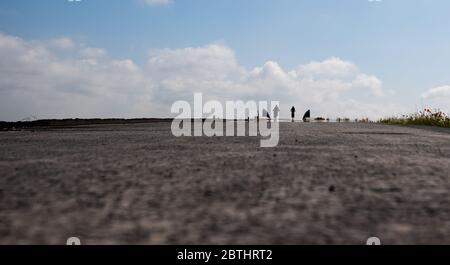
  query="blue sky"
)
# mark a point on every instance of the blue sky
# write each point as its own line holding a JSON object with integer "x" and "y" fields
{"x": 403, "y": 43}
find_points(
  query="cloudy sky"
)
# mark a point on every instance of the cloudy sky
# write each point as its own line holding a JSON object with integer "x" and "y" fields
{"x": 134, "y": 58}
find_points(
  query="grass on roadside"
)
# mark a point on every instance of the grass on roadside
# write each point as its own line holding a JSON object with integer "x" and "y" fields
{"x": 427, "y": 117}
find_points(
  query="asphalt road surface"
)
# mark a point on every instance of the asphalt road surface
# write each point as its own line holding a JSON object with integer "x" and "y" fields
{"x": 326, "y": 183}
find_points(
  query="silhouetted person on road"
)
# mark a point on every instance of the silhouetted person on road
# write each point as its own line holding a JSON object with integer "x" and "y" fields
{"x": 293, "y": 113}
{"x": 276, "y": 111}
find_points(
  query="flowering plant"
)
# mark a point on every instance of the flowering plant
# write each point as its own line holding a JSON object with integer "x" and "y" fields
{"x": 424, "y": 117}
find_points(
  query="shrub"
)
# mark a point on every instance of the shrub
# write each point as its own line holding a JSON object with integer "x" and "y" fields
{"x": 426, "y": 117}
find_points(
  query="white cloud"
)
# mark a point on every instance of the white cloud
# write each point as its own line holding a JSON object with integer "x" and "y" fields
{"x": 438, "y": 97}
{"x": 369, "y": 81}
{"x": 36, "y": 79}
{"x": 330, "y": 67}
{"x": 93, "y": 53}
{"x": 62, "y": 43}
{"x": 437, "y": 92}
{"x": 157, "y": 2}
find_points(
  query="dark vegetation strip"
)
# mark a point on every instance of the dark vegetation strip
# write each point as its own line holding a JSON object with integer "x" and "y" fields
{"x": 72, "y": 122}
